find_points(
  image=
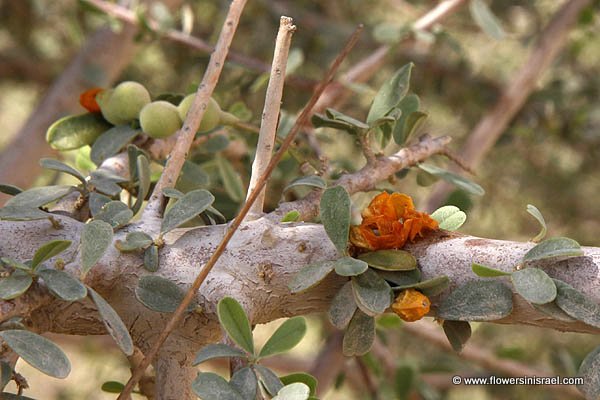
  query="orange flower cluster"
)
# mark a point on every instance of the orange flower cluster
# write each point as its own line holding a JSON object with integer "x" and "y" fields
{"x": 411, "y": 305}
{"x": 389, "y": 222}
{"x": 88, "y": 100}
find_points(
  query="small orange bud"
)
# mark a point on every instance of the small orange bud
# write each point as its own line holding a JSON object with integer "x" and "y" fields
{"x": 88, "y": 100}
{"x": 411, "y": 305}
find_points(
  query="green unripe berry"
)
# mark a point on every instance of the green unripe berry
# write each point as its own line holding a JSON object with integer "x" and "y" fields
{"x": 123, "y": 104}
{"x": 160, "y": 119}
{"x": 212, "y": 115}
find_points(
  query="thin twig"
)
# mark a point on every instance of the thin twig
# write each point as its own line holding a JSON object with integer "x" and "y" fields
{"x": 494, "y": 123}
{"x": 191, "y": 293}
{"x": 185, "y": 137}
{"x": 270, "y": 115}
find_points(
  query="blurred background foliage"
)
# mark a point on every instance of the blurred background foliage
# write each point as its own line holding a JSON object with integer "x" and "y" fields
{"x": 549, "y": 156}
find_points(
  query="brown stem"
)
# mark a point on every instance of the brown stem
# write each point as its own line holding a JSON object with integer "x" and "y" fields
{"x": 483, "y": 137}
{"x": 191, "y": 293}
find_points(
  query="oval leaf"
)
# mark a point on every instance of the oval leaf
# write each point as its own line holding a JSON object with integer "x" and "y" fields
{"x": 554, "y": 247}
{"x": 245, "y": 382}
{"x": 218, "y": 350}
{"x": 342, "y": 307}
{"x": 49, "y": 250}
{"x": 158, "y": 294}
{"x": 477, "y": 301}
{"x": 268, "y": 379}
{"x": 588, "y": 370}
{"x": 96, "y": 202}
{"x": 390, "y": 94}
{"x": 390, "y": 260}
{"x": 112, "y": 387}
{"x": 39, "y": 196}
{"x": 208, "y": 385}
{"x": 310, "y": 276}
{"x": 554, "y": 311}
{"x": 38, "y": 352}
{"x": 10, "y": 190}
{"x": 76, "y": 131}
{"x": 534, "y": 285}
{"x": 531, "y": 209}
{"x": 151, "y": 259}
{"x": 348, "y": 266}
{"x": 114, "y": 325}
{"x": 312, "y": 181}
{"x": 110, "y": 142}
{"x": 63, "y": 285}
{"x": 457, "y": 180}
{"x": 231, "y": 179}
{"x": 407, "y": 106}
{"x": 134, "y": 241}
{"x": 95, "y": 239}
{"x": 576, "y": 304}
{"x": 55, "y": 165}
{"x": 360, "y": 335}
{"x": 449, "y": 217}
{"x": 487, "y": 272}
{"x": 373, "y": 294}
{"x": 335, "y": 216}
{"x": 302, "y": 377}
{"x": 235, "y": 322}
{"x": 458, "y": 333}
{"x": 430, "y": 287}
{"x": 186, "y": 208}
{"x": 15, "y": 285}
{"x": 115, "y": 213}
{"x": 286, "y": 337}
{"x": 16, "y": 213}
{"x": 293, "y": 391}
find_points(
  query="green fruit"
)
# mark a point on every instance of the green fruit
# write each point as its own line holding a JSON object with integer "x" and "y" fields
{"x": 75, "y": 131}
{"x": 212, "y": 115}
{"x": 160, "y": 119}
{"x": 123, "y": 104}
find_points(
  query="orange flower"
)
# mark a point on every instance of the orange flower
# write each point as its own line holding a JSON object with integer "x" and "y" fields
{"x": 88, "y": 100}
{"x": 411, "y": 305}
{"x": 389, "y": 222}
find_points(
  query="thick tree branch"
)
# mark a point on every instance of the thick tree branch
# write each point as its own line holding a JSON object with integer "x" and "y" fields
{"x": 488, "y": 130}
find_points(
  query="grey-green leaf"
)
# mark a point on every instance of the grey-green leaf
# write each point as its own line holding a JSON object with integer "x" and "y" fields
{"x": 6, "y": 374}
{"x": 143, "y": 172}
{"x": 301, "y": 377}
{"x": 63, "y": 284}
{"x": 95, "y": 239}
{"x": 487, "y": 272}
{"x": 192, "y": 177}
{"x": 218, "y": 350}
{"x": 335, "y": 216}
{"x": 159, "y": 294}
{"x": 310, "y": 276}
{"x": 390, "y": 94}
{"x": 534, "y": 285}
{"x": 39, "y": 196}
{"x": 10, "y": 190}
{"x": 115, "y": 213}
{"x": 342, "y": 307}
{"x": 486, "y": 20}
{"x": 348, "y": 266}
{"x": 286, "y": 337}
{"x": 38, "y": 352}
{"x": 114, "y": 325}
{"x": 554, "y": 311}
{"x": 458, "y": 333}
{"x": 15, "y": 285}
{"x": 401, "y": 278}
{"x": 16, "y": 213}
{"x": 531, "y": 209}
{"x": 151, "y": 263}
{"x": 312, "y": 181}
{"x": 293, "y": 391}
{"x": 373, "y": 295}
{"x": 552, "y": 248}
{"x": 477, "y": 301}
{"x": 390, "y": 260}
{"x": 96, "y": 202}
{"x": 49, "y": 250}
{"x": 576, "y": 304}
{"x": 186, "y": 208}
{"x": 449, "y": 217}
{"x": 73, "y": 132}
{"x": 55, "y": 165}
{"x": 360, "y": 335}
{"x": 430, "y": 287}
{"x": 407, "y": 106}
{"x": 457, "y": 180}
{"x": 245, "y": 382}
{"x": 235, "y": 322}
{"x": 134, "y": 241}
{"x": 210, "y": 386}
{"x": 231, "y": 179}
{"x": 268, "y": 379}
{"x": 588, "y": 370}
{"x": 110, "y": 142}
